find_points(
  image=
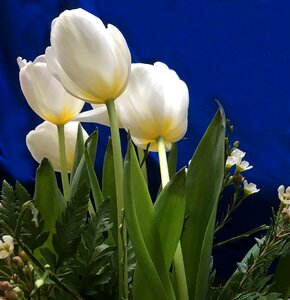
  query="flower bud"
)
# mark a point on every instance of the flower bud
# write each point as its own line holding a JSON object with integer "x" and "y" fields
{"x": 17, "y": 260}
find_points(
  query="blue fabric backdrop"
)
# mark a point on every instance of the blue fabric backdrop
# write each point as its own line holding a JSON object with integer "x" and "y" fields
{"x": 237, "y": 51}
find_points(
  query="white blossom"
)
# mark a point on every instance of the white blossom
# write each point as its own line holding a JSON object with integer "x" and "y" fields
{"x": 6, "y": 246}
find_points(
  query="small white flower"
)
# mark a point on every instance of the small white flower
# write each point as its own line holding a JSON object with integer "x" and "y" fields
{"x": 243, "y": 166}
{"x": 238, "y": 153}
{"x": 283, "y": 195}
{"x": 235, "y": 158}
{"x": 250, "y": 188}
{"x": 231, "y": 161}
{"x": 6, "y": 246}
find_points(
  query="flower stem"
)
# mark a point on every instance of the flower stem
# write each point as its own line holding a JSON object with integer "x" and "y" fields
{"x": 63, "y": 163}
{"x": 163, "y": 161}
{"x": 181, "y": 285}
{"x": 118, "y": 165}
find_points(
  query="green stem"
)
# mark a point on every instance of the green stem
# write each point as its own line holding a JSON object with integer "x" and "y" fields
{"x": 118, "y": 166}
{"x": 141, "y": 155}
{"x": 181, "y": 283}
{"x": 163, "y": 161}
{"x": 63, "y": 163}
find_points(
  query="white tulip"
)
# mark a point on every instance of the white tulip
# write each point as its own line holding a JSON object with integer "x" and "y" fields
{"x": 43, "y": 142}
{"x": 154, "y": 104}
{"x": 45, "y": 94}
{"x": 6, "y": 246}
{"x": 91, "y": 61}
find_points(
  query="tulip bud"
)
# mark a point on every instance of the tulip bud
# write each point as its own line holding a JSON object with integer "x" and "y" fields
{"x": 45, "y": 94}
{"x": 154, "y": 104}
{"x": 91, "y": 61}
{"x": 43, "y": 142}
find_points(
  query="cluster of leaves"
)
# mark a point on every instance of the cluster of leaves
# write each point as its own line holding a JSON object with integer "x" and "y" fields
{"x": 67, "y": 243}
{"x": 253, "y": 279}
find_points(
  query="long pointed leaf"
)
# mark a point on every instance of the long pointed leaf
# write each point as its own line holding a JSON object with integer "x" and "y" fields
{"x": 169, "y": 209}
{"x": 81, "y": 174}
{"x": 79, "y": 150}
{"x": 204, "y": 179}
{"x": 143, "y": 230}
{"x": 109, "y": 187}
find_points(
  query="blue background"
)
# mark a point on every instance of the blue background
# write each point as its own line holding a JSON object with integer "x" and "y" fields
{"x": 235, "y": 50}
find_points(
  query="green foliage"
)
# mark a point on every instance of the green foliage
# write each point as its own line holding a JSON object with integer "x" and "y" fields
{"x": 48, "y": 198}
{"x": 109, "y": 187}
{"x": 252, "y": 274}
{"x": 80, "y": 174}
{"x": 204, "y": 181}
{"x": 9, "y": 206}
{"x": 32, "y": 231}
{"x": 92, "y": 268}
{"x": 143, "y": 230}
{"x": 70, "y": 225}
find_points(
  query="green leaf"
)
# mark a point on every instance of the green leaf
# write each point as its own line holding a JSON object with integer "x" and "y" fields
{"x": 47, "y": 196}
{"x": 143, "y": 230}
{"x": 281, "y": 277}
{"x": 70, "y": 226}
{"x": 81, "y": 174}
{"x": 32, "y": 229}
{"x": 21, "y": 194}
{"x": 10, "y": 208}
{"x": 109, "y": 187}
{"x": 169, "y": 209}
{"x": 204, "y": 180}
{"x": 94, "y": 183}
{"x": 79, "y": 150}
{"x": 172, "y": 160}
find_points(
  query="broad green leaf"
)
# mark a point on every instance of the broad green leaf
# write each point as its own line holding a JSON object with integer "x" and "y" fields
{"x": 204, "y": 179}
{"x": 81, "y": 174}
{"x": 48, "y": 198}
{"x": 143, "y": 230}
{"x": 108, "y": 186}
{"x": 169, "y": 209}
{"x": 79, "y": 150}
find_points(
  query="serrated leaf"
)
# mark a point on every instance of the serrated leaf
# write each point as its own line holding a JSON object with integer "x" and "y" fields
{"x": 70, "y": 225}
{"x": 204, "y": 180}
{"x": 143, "y": 230}
{"x": 21, "y": 194}
{"x": 10, "y": 209}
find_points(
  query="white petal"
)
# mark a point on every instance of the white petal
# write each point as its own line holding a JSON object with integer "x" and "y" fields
{"x": 43, "y": 142}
